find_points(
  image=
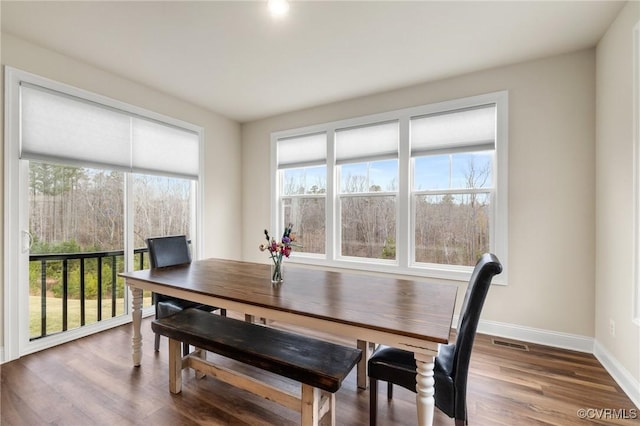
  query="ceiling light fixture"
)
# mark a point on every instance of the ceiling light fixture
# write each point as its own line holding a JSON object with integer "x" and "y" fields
{"x": 278, "y": 8}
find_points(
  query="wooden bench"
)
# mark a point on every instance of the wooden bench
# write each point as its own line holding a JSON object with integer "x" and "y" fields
{"x": 318, "y": 365}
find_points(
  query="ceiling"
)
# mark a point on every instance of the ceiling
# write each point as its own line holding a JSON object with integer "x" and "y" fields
{"x": 233, "y": 58}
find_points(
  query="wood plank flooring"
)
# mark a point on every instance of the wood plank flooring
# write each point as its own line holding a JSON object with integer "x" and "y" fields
{"x": 91, "y": 382}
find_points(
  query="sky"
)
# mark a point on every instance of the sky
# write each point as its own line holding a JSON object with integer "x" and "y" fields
{"x": 446, "y": 171}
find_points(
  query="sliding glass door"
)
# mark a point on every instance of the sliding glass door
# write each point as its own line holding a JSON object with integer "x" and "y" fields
{"x": 87, "y": 180}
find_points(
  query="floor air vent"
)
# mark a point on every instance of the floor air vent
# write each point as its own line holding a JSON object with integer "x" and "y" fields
{"x": 518, "y": 346}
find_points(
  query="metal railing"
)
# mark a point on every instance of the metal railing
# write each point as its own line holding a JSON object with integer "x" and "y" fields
{"x": 106, "y": 287}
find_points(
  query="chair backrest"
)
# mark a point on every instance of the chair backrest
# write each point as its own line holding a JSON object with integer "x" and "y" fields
{"x": 487, "y": 266}
{"x": 168, "y": 251}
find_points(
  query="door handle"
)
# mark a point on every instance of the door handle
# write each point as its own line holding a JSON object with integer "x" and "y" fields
{"x": 27, "y": 241}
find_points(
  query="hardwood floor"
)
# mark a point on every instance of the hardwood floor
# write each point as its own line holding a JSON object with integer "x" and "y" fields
{"x": 91, "y": 382}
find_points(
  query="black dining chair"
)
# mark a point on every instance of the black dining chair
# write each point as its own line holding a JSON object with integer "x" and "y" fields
{"x": 397, "y": 366}
{"x": 165, "y": 252}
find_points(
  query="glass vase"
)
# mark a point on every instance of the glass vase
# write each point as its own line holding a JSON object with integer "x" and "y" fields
{"x": 277, "y": 273}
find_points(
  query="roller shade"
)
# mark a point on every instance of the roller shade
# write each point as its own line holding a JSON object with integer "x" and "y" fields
{"x": 461, "y": 130}
{"x": 157, "y": 148}
{"x": 302, "y": 151}
{"x": 63, "y": 128}
{"x": 367, "y": 143}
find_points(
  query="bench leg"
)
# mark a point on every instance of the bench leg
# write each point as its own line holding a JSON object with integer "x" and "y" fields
{"x": 252, "y": 319}
{"x": 329, "y": 404}
{"x": 315, "y": 404}
{"x": 175, "y": 366}
{"x": 202, "y": 354}
{"x": 310, "y": 400}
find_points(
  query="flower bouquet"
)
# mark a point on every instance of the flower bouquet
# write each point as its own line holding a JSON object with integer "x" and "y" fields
{"x": 278, "y": 251}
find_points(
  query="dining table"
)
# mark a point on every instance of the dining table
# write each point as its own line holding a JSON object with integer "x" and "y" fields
{"x": 372, "y": 308}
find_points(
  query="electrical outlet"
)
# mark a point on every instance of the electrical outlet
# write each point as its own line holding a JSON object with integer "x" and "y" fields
{"x": 612, "y": 327}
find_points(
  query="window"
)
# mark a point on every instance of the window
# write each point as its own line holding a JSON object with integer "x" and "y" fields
{"x": 367, "y": 159}
{"x": 419, "y": 191}
{"x": 303, "y": 189}
{"x": 452, "y": 186}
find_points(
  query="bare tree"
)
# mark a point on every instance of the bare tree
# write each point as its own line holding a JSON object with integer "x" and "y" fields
{"x": 87, "y": 206}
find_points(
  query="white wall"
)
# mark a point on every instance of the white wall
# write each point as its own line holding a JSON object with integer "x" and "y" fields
{"x": 614, "y": 195}
{"x": 222, "y": 137}
{"x": 551, "y": 181}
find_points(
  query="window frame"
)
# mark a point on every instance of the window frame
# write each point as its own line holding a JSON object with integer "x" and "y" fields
{"x": 404, "y": 263}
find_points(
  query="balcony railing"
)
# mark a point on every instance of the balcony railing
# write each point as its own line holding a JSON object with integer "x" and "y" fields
{"x": 71, "y": 285}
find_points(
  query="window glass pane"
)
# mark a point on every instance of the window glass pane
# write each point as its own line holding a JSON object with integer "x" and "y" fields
{"x": 453, "y": 171}
{"x": 162, "y": 206}
{"x": 472, "y": 170}
{"x": 307, "y": 214}
{"x": 368, "y": 227}
{"x": 431, "y": 172}
{"x": 304, "y": 180}
{"x": 452, "y": 229}
{"x": 76, "y": 222}
{"x": 373, "y": 176}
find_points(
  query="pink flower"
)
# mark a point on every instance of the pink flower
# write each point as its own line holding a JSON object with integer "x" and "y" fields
{"x": 279, "y": 249}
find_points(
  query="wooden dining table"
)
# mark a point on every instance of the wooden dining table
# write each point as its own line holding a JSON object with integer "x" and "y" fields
{"x": 414, "y": 315}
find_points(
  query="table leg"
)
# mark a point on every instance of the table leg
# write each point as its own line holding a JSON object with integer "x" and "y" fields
{"x": 424, "y": 388}
{"x": 136, "y": 341}
{"x": 361, "y": 372}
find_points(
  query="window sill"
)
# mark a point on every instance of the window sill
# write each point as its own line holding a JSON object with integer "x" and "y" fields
{"x": 455, "y": 273}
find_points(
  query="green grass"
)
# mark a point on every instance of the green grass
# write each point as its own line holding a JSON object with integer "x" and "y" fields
{"x": 54, "y": 313}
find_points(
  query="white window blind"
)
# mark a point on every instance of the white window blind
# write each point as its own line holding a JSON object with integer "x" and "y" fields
{"x": 158, "y": 148}
{"x": 367, "y": 143}
{"x": 451, "y": 131}
{"x": 302, "y": 151}
{"x": 64, "y": 128}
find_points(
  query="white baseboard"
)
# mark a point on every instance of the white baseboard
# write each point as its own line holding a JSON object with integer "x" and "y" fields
{"x": 2, "y": 355}
{"x": 621, "y": 375}
{"x": 556, "y": 339}
{"x": 574, "y": 342}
